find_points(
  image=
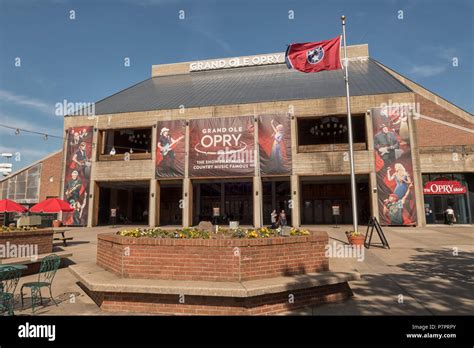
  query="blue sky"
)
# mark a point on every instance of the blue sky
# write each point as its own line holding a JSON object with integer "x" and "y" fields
{"x": 82, "y": 60}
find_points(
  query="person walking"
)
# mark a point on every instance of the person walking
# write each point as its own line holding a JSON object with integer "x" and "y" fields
{"x": 273, "y": 218}
{"x": 282, "y": 219}
{"x": 450, "y": 219}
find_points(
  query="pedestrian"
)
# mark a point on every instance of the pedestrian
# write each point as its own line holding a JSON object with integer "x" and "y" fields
{"x": 282, "y": 219}
{"x": 113, "y": 216}
{"x": 450, "y": 219}
{"x": 273, "y": 218}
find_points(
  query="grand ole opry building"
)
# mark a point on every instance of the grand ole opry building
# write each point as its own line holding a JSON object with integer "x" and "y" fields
{"x": 232, "y": 139}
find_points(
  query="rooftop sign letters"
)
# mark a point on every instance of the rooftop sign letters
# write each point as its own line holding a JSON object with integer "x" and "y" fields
{"x": 237, "y": 62}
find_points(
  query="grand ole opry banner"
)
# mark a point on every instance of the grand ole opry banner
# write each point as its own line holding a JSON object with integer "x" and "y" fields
{"x": 222, "y": 147}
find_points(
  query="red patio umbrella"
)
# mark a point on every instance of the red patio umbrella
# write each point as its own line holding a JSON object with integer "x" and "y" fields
{"x": 51, "y": 205}
{"x": 8, "y": 206}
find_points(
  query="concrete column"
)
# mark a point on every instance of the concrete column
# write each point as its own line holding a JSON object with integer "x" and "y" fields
{"x": 374, "y": 205}
{"x": 157, "y": 202}
{"x": 257, "y": 201}
{"x": 417, "y": 180}
{"x": 93, "y": 205}
{"x": 152, "y": 205}
{"x": 295, "y": 200}
{"x": 257, "y": 187}
{"x": 187, "y": 202}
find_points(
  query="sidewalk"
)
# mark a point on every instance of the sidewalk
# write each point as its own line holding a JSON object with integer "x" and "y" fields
{"x": 420, "y": 270}
{"x": 419, "y": 275}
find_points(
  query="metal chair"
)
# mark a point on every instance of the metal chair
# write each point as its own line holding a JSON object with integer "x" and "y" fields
{"x": 48, "y": 268}
{"x": 9, "y": 278}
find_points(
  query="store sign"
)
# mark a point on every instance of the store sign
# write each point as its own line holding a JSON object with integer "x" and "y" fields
{"x": 444, "y": 188}
{"x": 237, "y": 62}
{"x": 336, "y": 210}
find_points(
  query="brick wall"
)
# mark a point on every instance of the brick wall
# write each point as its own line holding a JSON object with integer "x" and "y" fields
{"x": 42, "y": 238}
{"x": 430, "y": 133}
{"x": 51, "y": 167}
{"x": 212, "y": 259}
{"x": 267, "y": 304}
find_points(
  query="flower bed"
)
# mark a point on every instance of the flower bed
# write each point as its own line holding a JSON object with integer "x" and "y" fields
{"x": 17, "y": 229}
{"x": 217, "y": 258}
{"x": 194, "y": 233}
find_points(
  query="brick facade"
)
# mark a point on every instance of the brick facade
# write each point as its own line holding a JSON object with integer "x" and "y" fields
{"x": 51, "y": 168}
{"x": 268, "y": 304}
{"x": 432, "y": 134}
{"x": 212, "y": 259}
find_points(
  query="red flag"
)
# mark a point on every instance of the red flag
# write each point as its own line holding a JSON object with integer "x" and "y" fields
{"x": 311, "y": 57}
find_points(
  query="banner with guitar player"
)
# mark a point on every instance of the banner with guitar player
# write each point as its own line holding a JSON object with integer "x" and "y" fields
{"x": 222, "y": 147}
{"x": 77, "y": 176}
{"x": 393, "y": 163}
{"x": 170, "y": 151}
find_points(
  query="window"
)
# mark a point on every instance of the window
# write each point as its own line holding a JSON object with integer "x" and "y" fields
{"x": 117, "y": 142}
{"x": 127, "y": 140}
{"x": 316, "y": 133}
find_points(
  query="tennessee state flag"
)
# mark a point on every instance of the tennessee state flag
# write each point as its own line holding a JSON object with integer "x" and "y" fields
{"x": 311, "y": 57}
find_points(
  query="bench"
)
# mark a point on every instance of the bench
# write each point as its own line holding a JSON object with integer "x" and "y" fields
{"x": 63, "y": 236}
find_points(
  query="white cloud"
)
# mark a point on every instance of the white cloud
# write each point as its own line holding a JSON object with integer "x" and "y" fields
{"x": 26, "y": 151}
{"x": 39, "y": 105}
{"x": 427, "y": 70}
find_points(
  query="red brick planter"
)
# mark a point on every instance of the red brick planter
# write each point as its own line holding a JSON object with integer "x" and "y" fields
{"x": 212, "y": 259}
{"x": 43, "y": 238}
{"x": 211, "y": 276}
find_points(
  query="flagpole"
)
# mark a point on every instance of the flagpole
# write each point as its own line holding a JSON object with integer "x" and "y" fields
{"x": 349, "y": 126}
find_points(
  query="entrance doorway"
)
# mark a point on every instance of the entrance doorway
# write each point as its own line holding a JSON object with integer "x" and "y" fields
{"x": 171, "y": 195}
{"x": 461, "y": 203}
{"x": 436, "y": 205}
{"x": 223, "y": 201}
{"x": 129, "y": 198}
{"x": 320, "y": 195}
{"x": 276, "y": 195}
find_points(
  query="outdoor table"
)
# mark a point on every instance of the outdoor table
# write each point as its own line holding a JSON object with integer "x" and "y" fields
{"x": 20, "y": 267}
{"x": 63, "y": 235}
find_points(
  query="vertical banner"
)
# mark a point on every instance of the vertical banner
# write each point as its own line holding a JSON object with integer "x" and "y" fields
{"x": 221, "y": 147}
{"x": 170, "y": 149}
{"x": 274, "y": 139}
{"x": 394, "y": 168}
{"x": 77, "y": 175}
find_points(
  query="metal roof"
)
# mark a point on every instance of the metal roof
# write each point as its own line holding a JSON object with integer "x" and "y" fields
{"x": 249, "y": 85}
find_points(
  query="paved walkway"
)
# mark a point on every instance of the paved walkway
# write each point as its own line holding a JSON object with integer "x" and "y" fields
{"x": 427, "y": 271}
